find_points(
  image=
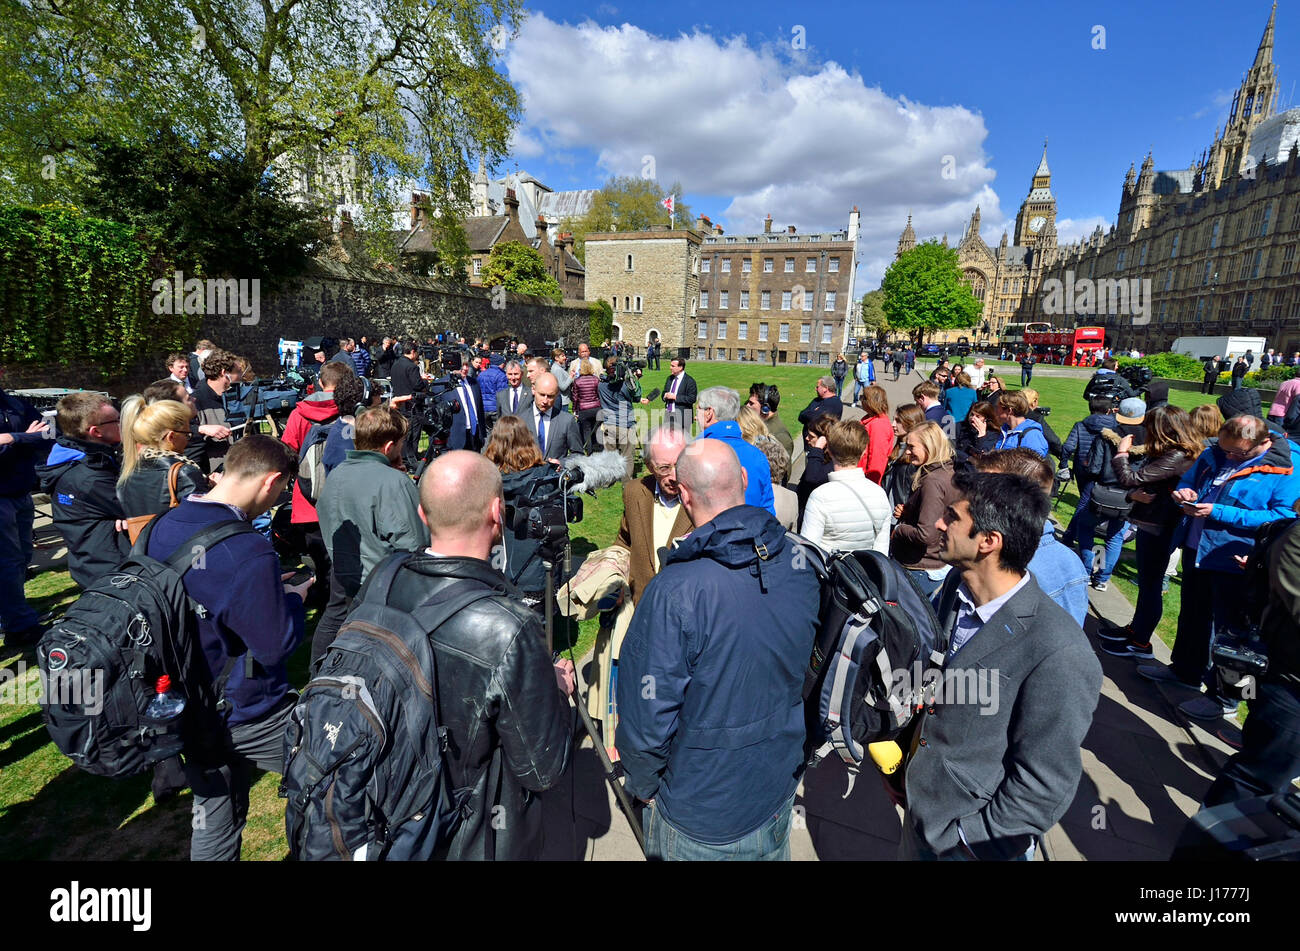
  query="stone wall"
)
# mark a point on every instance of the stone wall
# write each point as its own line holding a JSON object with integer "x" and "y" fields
{"x": 336, "y": 299}
{"x": 663, "y": 274}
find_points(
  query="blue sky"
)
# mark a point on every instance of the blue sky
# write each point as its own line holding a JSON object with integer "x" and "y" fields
{"x": 869, "y": 110}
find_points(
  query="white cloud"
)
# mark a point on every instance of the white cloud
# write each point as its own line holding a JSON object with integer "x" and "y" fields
{"x": 1070, "y": 230}
{"x": 803, "y": 141}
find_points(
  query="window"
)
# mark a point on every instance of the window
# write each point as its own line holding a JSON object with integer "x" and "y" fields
{"x": 704, "y": 329}
{"x": 740, "y": 353}
{"x": 726, "y": 265}
{"x": 1169, "y": 279}
{"x": 1268, "y": 213}
{"x": 722, "y": 330}
{"x": 744, "y": 300}
{"x": 731, "y": 241}
{"x": 1279, "y": 304}
{"x": 785, "y": 300}
{"x": 746, "y": 266}
{"x": 1164, "y": 310}
{"x": 789, "y": 265}
{"x": 1258, "y": 267}
{"x": 824, "y": 358}
{"x": 1288, "y": 259}
{"x": 706, "y": 265}
{"x": 810, "y": 266}
{"x": 767, "y": 265}
{"x": 704, "y": 299}
{"x": 1245, "y": 266}
{"x": 629, "y": 262}
{"x": 1119, "y": 259}
{"x": 724, "y": 300}
{"x": 785, "y": 333}
{"x": 1214, "y": 243}
{"x": 699, "y": 353}
{"x": 627, "y": 303}
{"x": 1006, "y": 285}
{"x": 1142, "y": 258}
{"x": 765, "y": 300}
{"x": 638, "y": 303}
{"x": 833, "y": 265}
{"x": 1200, "y": 309}
{"x": 1241, "y": 228}
{"x": 830, "y": 300}
{"x": 751, "y": 240}
{"x": 808, "y": 297}
{"x": 826, "y": 333}
{"x": 805, "y": 333}
{"x": 1205, "y": 277}
{"x": 1173, "y": 246}
{"x": 742, "y": 330}
{"x": 1250, "y": 300}
{"x": 762, "y": 333}
{"x": 478, "y": 265}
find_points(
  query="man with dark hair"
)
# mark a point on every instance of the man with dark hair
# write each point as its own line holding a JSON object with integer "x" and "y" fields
{"x": 996, "y": 761}
{"x": 1027, "y": 367}
{"x": 221, "y": 371}
{"x": 714, "y": 744}
{"x": 23, "y": 438}
{"x": 927, "y": 395}
{"x": 468, "y": 424}
{"x": 680, "y": 393}
{"x": 80, "y": 477}
{"x": 1055, "y": 567}
{"x": 251, "y": 623}
{"x": 178, "y": 365}
{"x": 408, "y": 381}
{"x": 368, "y": 510}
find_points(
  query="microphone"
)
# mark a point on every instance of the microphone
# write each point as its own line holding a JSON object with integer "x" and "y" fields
{"x": 886, "y": 754}
{"x": 653, "y": 394}
{"x": 599, "y": 470}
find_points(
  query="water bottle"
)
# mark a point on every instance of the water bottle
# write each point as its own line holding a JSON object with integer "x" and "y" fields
{"x": 165, "y": 706}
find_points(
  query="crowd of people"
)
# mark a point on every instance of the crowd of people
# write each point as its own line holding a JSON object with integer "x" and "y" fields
{"x": 701, "y": 689}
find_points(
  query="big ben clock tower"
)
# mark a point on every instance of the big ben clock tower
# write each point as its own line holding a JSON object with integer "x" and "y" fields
{"x": 1039, "y": 208}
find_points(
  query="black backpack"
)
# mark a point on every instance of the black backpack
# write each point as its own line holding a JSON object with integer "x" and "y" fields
{"x": 877, "y": 638}
{"x": 364, "y": 769}
{"x": 102, "y": 660}
{"x": 1109, "y": 498}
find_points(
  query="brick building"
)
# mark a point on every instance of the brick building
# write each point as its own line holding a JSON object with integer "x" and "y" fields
{"x": 729, "y": 297}
{"x": 1217, "y": 241}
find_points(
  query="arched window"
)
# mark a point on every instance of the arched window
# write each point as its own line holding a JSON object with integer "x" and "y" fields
{"x": 978, "y": 286}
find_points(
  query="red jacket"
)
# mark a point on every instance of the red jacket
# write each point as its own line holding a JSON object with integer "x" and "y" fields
{"x": 880, "y": 443}
{"x": 317, "y": 408}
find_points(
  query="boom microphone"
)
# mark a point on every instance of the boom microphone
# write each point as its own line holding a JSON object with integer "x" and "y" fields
{"x": 653, "y": 393}
{"x": 599, "y": 470}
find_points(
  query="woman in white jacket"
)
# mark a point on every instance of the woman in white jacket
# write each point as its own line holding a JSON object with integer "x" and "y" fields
{"x": 848, "y": 513}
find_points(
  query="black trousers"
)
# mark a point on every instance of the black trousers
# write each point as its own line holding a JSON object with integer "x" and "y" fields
{"x": 331, "y": 619}
{"x": 1270, "y": 747}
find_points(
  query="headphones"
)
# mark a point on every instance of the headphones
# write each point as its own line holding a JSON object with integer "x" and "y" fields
{"x": 764, "y": 394}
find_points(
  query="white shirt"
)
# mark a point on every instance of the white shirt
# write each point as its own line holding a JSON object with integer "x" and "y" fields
{"x": 977, "y": 375}
{"x": 185, "y": 382}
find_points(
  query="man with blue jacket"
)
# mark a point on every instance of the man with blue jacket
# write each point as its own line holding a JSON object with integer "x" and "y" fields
{"x": 1244, "y": 480}
{"x": 716, "y": 410}
{"x": 864, "y": 374}
{"x": 711, "y": 727}
{"x": 1018, "y": 431}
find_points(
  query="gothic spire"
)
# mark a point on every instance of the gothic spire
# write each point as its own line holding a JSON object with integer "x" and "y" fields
{"x": 1264, "y": 55}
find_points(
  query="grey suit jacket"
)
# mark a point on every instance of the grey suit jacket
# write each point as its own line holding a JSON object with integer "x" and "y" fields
{"x": 525, "y": 400}
{"x": 562, "y": 435}
{"x": 998, "y": 758}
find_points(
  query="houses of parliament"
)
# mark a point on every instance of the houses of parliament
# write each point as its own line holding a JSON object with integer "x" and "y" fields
{"x": 1217, "y": 240}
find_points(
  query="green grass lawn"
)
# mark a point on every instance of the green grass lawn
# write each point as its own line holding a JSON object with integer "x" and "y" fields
{"x": 49, "y": 810}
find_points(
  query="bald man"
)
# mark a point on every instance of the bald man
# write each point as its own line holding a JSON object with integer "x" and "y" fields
{"x": 653, "y": 514}
{"x": 509, "y": 727}
{"x": 711, "y": 726}
{"x": 555, "y": 430}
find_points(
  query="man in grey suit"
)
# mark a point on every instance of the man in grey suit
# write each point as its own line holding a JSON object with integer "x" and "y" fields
{"x": 516, "y": 396}
{"x": 997, "y": 760}
{"x": 555, "y": 430}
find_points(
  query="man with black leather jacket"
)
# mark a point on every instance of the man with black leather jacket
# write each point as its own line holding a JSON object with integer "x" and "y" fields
{"x": 509, "y": 728}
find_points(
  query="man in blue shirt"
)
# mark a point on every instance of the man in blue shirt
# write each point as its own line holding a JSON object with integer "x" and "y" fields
{"x": 716, "y": 409}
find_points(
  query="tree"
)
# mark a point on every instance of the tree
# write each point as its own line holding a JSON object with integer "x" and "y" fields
{"x": 372, "y": 93}
{"x": 601, "y": 326}
{"x": 210, "y": 214}
{"x": 519, "y": 268}
{"x": 923, "y": 291}
{"x": 625, "y": 203}
{"x": 873, "y": 318}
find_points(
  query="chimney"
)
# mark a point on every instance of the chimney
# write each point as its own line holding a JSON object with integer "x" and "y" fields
{"x": 702, "y": 223}
{"x": 717, "y": 229}
{"x": 789, "y": 229}
{"x": 512, "y": 205}
{"x": 541, "y": 228}
{"x": 767, "y": 225}
{"x": 346, "y": 228}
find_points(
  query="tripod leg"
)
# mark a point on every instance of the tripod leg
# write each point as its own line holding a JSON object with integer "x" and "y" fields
{"x": 611, "y": 775}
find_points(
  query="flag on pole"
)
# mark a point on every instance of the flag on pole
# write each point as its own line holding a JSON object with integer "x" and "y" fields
{"x": 670, "y": 204}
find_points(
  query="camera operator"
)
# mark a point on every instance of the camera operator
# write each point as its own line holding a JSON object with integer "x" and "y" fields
{"x": 407, "y": 381}
{"x": 619, "y": 395}
{"x": 24, "y": 438}
{"x": 1107, "y": 382}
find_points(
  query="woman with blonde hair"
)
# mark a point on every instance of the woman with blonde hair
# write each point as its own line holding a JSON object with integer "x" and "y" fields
{"x": 1205, "y": 422}
{"x": 154, "y": 437}
{"x": 915, "y": 542}
{"x": 751, "y": 425}
{"x": 897, "y": 482}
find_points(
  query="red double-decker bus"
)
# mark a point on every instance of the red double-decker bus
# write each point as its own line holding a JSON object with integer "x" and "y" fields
{"x": 1080, "y": 347}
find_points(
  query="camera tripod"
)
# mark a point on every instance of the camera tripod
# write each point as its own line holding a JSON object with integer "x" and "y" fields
{"x": 607, "y": 766}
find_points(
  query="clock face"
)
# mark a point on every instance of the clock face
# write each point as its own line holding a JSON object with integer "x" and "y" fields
{"x": 1036, "y": 223}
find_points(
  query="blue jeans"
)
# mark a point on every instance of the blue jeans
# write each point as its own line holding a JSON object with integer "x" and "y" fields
{"x": 1085, "y": 531}
{"x": 1152, "y": 560}
{"x": 1026, "y": 374}
{"x": 16, "y": 516}
{"x": 770, "y": 842}
{"x": 839, "y": 388}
